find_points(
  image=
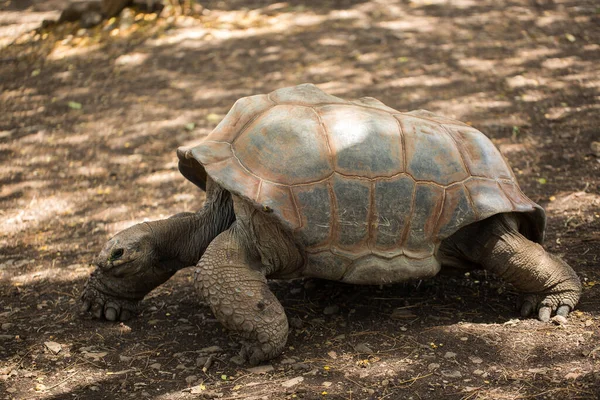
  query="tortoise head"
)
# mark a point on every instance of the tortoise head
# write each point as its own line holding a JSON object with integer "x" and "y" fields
{"x": 129, "y": 252}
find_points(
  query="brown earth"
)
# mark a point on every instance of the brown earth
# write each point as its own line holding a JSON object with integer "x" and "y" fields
{"x": 91, "y": 119}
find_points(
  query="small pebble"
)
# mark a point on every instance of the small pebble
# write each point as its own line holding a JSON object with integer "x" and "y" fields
{"x": 449, "y": 354}
{"x": 475, "y": 360}
{"x": 7, "y": 325}
{"x": 595, "y": 147}
{"x": 237, "y": 360}
{"x": 363, "y": 348}
{"x": 200, "y": 361}
{"x": 292, "y": 382}
{"x": 330, "y": 310}
{"x": 433, "y": 366}
{"x": 261, "y": 369}
{"x": 452, "y": 374}
{"x": 296, "y": 323}
{"x": 301, "y": 366}
{"x": 155, "y": 366}
{"x": 559, "y": 320}
{"x": 53, "y": 347}
{"x": 211, "y": 349}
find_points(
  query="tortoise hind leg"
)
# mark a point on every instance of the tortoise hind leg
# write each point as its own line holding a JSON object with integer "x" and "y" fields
{"x": 548, "y": 283}
{"x": 229, "y": 280}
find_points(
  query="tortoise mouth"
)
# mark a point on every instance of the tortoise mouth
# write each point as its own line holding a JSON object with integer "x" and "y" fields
{"x": 121, "y": 268}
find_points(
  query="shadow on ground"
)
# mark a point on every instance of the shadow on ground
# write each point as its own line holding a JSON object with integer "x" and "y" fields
{"x": 91, "y": 122}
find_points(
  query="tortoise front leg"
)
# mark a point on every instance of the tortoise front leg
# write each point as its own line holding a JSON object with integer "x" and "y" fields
{"x": 548, "y": 283}
{"x": 228, "y": 277}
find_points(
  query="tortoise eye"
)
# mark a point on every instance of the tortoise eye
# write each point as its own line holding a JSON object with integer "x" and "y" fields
{"x": 116, "y": 254}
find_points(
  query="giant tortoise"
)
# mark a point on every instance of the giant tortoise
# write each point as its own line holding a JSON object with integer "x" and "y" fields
{"x": 300, "y": 183}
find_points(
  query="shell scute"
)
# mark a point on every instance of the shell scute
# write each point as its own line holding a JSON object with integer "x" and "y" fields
{"x": 392, "y": 205}
{"x": 314, "y": 206}
{"x": 457, "y": 211}
{"x": 479, "y": 153}
{"x": 289, "y": 133}
{"x": 421, "y": 241}
{"x": 487, "y": 198}
{"x": 278, "y": 198}
{"x": 352, "y": 198}
{"x": 241, "y": 114}
{"x": 431, "y": 154}
{"x": 365, "y": 142}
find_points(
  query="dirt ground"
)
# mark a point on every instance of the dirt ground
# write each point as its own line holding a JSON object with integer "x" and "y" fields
{"x": 90, "y": 120}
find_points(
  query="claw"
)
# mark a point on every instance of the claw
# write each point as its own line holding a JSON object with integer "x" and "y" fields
{"x": 544, "y": 313}
{"x": 111, "y": 311}
{"x": 563, "y": 310}
{"x": 110, "y": 314}
{"x": 526, "y": 308}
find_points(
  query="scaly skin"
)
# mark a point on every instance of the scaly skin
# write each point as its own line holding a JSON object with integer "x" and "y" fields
{"x": 240, "y": 298}
{"x": 547, "y": 282}
{"x": 142, "y": 257}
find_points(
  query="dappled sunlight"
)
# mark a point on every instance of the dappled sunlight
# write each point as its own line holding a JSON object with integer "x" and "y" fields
{"x": 132, "y": 60}
{"x": 570, "y": 203}
{"x": 52, "y": 275}
{"x": 91, "y": 122}
{"x": 158, "y": 178}
{"x": 34, "y": 213}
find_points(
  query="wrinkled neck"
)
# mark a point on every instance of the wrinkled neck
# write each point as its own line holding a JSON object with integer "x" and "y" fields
{"x": 182, "y": 239}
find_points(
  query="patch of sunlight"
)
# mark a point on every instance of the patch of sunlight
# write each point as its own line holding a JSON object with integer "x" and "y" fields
{"x": 331, "y": 67}
{"x": 234, "y": 25}
{"x": 414, "y": 24}
{"x": 513, "y": 148}
{"x": 186, "y": 197}
{"x": 531, "y": 96}
{"x": 520, "y": 81}
{"x": 21, "y": 93}
{"x": 218, "y": 93}
{"x": 462, "y": 4}
{"x": 90, "y": 170}
{"x": 111, "y": 213}
{"x": 146, "y": 128}
{"x": 131, "y": 59}
{"x": 11, "y": 189}
{"x": 131, "y": 159}
{"x": 560, "y": 63}
{"x": 68, "y": 93}
{"x": 113, "y": 228}
{"x": 421, "y": 80}
{"x": 350, "y": 14}
{"x": 461, "y": 108}
{"x": 74, "y": 139}
{"x": 548, "y": 19}
{"x": 159, "y": 177}
{"x": 34, "y": 213}
{"x": 329, "y": 41}
{"x": 527, "y": 55}
{"x": 75, "y": 271}
{"x": 61, "y": 51}
{"x": 478, "y": 64}
{"x": 587, "y": 80}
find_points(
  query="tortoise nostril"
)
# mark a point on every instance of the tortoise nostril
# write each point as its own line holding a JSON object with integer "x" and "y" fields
{"x": 116, "y": 254}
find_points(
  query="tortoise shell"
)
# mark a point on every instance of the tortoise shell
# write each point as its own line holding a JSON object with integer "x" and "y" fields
{"x": 357, "y": 180}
